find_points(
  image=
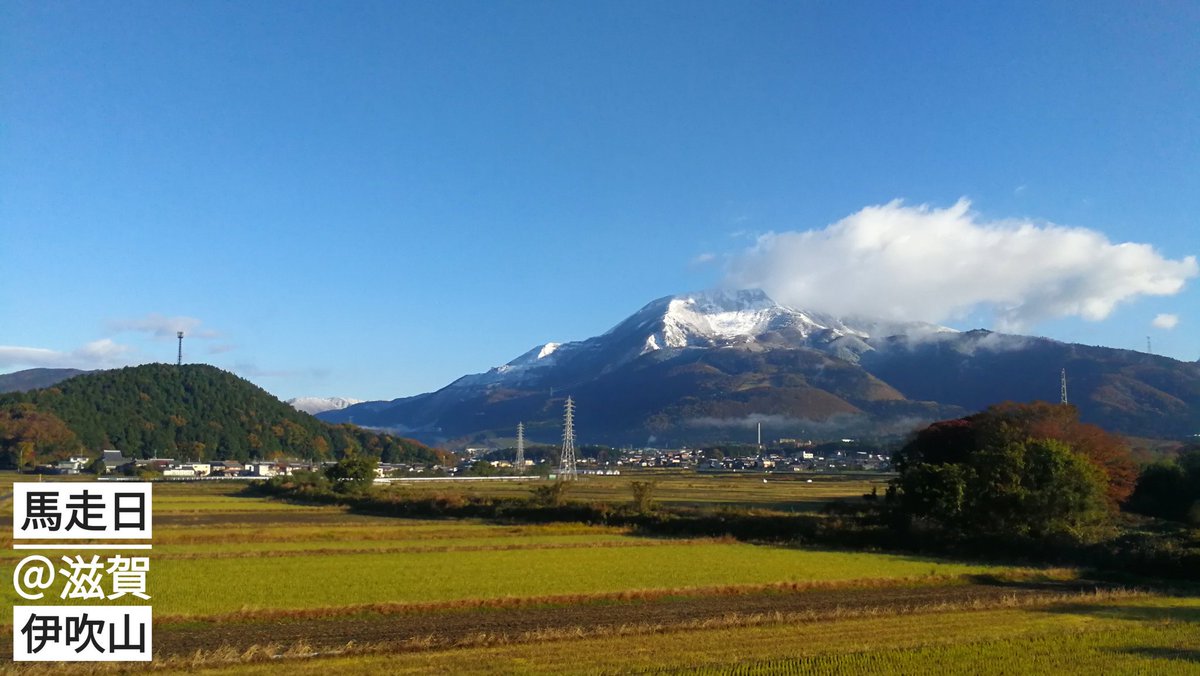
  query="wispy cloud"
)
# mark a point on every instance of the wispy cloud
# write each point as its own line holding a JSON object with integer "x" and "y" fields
{"x": 137, "y": 338}
{"x": 901, "y": 262}
{"x": 1165, "y": 321}
{"x": 97, "y": 354}
{"x": 161, "y": 326}
{"x": 704, "y": 258}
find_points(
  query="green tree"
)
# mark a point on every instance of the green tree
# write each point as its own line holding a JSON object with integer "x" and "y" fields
{"x": 643, "y": 495}
{"x": 952, "y": 441}
{"x": 552, "y": 494}
{"x": 352, "y": 473}
{"x": 97, "y": 467}
{"x": 1000, "y": 487}
{"x": 933, "y": 491}
{"x": 1062, "y": 493}
{"x": 1170, "y": 490}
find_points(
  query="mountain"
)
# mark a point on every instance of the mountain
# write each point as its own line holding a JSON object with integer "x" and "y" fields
{"x": 315, "y": 405}
{"x": 711, "y": 366}
{"x": 183, "y": 412}
{"x": 33, "y": 379}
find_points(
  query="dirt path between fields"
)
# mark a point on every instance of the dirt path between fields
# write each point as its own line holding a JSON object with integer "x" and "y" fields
{"x": 450, "y": 627}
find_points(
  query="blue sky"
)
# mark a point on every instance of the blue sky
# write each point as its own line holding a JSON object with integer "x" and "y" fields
{"x": 371, "y": 199}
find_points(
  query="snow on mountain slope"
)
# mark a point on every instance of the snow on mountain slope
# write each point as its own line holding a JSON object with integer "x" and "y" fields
{"x": 706, "y": 319}
{"x": 731, "y": 318}
{"x": 721, "y": 318}
{"x": 315, "y": 405}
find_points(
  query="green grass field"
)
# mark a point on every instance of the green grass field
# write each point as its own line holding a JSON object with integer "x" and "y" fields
{"x": 206, "y": 533}
{"x": 254, "y": 585}
{"x": 779, "y": 492}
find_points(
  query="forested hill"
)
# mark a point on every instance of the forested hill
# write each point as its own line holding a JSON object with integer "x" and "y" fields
{"x": 184, "y": 412}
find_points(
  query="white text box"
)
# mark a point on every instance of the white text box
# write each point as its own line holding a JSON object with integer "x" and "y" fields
{"x": 82, "y": 633}
{"x": 82, "y": 510}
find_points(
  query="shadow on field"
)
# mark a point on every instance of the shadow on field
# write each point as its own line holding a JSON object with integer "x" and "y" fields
{"x": 1177, "y": 654}
{"x": 1035, "y": 583}
{"x": 1135, "y": 613}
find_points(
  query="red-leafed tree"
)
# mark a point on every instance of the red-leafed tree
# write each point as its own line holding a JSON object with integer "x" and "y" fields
{"x": 1041, "y": 420}
{"x": 1028, "y": 471}
{"x": 952, "y": 441}
{"x": 29, "y": 436}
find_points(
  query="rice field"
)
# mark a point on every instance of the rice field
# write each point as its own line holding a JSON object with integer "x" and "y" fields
{"x": 209, "y": 540}
{"x": 1133, "y": 636}
{"x": 774, "y": 492}
{"x": 254, "y": 585}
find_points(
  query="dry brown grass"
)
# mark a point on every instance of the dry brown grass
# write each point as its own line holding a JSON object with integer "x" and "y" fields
{"x": 268, "y": 652}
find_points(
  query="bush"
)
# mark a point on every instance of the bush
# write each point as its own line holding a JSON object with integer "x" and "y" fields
{"x": 553, "y": 494}
{"x": 643, "y": 495}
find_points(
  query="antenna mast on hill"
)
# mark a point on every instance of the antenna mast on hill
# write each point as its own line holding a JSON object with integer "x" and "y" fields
{"x": 1149, "y": 350}
{"x": 519, "y": 463}
{"x": 179, "y": 359}
{"x": 566, "y": 464}
{"x": 1063, "y": 399}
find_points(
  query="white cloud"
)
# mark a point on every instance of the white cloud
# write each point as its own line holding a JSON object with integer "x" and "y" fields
{"x": 160, "y": 326}
{"x": 901, "y": 262}
{"x": 1165, "y": 321}
{"x": 108, "y": 353}
{"x": 704, "y": 258}
{"x": 95, "y": 355}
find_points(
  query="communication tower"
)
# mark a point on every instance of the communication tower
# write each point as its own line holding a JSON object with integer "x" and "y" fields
{"x": 519, "y": 463}
{"x": 179, "y": 359}
{"x": 566, "y": 463}
{"x": 1149, "y": 350}
{"x": 1063, "y": 398}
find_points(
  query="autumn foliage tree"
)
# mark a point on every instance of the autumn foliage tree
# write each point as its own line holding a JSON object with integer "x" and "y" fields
{"x": 29, "y": 436}
{"x": 1040, "y": 420}
{"x": 951, "y": 441}
{"x": 1027, "y": 470}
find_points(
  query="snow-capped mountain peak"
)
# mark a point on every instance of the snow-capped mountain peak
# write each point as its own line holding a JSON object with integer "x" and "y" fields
{"x": 703, "y": 319}
{"x": 315, "y": 405}
{"x": 721, "y": 316}
{"x": 713, "y": 319}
